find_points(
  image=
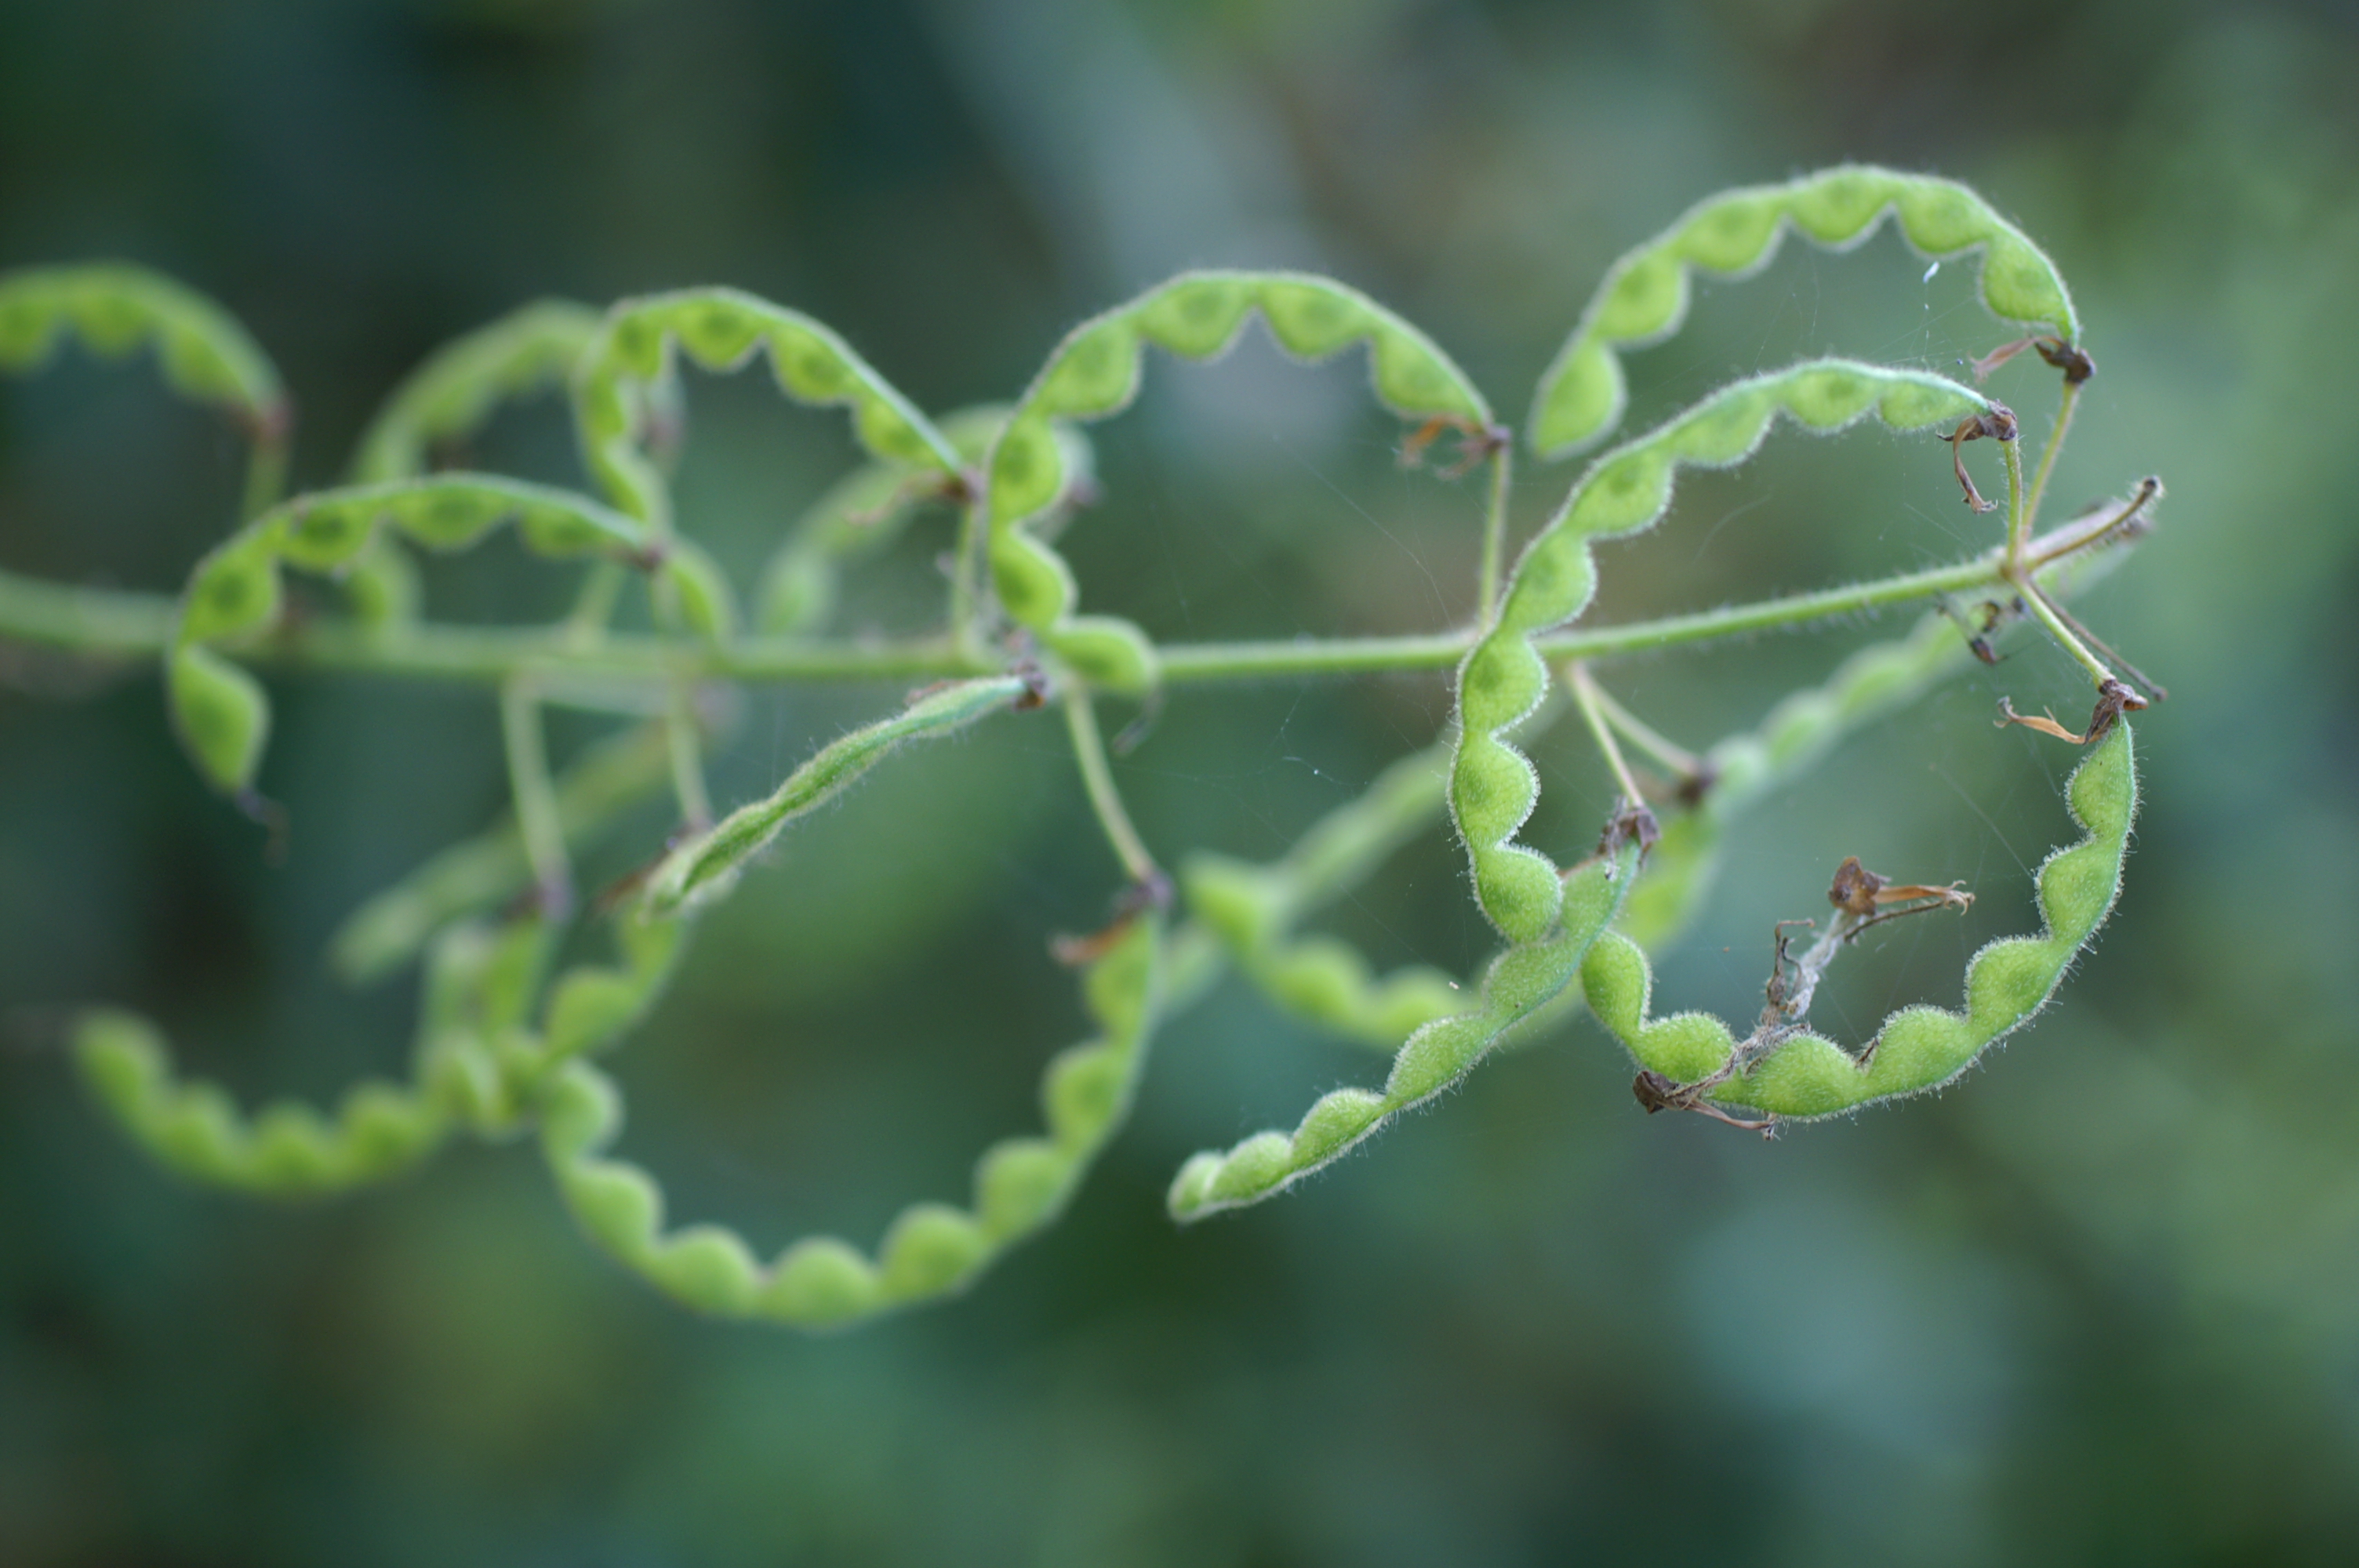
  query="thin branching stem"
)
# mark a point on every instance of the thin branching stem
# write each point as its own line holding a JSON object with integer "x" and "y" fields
{"x": 2018, "y": 516}
{"x": 1585, "y": 696}
{"x": 1639, "y": 733}
{"x": 2057, "y": 628}
{"x": 538, "y": 817}
{"x": 2048, "y": 456}
{"x": 1494, "y": 530}
{"x": 1097, "y": 778}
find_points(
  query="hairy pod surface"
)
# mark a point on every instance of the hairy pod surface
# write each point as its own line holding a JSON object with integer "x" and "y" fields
{"x": 1644, "y": 297}
{"x": 1437, "y": 1057}
{"x": 1095, "y": 373}
{"x": 1918, "y": 1048}
{"x": 930, "y": 1250}
{"x": 221, "y": 712}
{"x": 1493, "y": 787}
{"x": 721, "y": 329}
{"x": 116, "y": 310}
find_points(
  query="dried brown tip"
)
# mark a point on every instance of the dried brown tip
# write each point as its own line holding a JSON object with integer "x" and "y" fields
{"x": 1861, "y": 893}
{"x": 1631, "y": 823}
{"x": 1658, "y": 1091}
{"x": 1998, "y": 425}
{"x": 1137, "y": 899}
{"x": 2075, "y": 363}
{"x": 2114, "y": 699}
{"x": 1036, "y": 686}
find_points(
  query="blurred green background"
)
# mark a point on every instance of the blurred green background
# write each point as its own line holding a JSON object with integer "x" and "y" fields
{"x": 2098, "y": 1303}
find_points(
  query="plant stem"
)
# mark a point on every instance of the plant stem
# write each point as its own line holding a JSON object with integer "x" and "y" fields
{"x": 2055, "y": 445}
{"x": 2018, "y": 518}
{"x": 1494, "y": 533}
{"x": 1097, "y": 778}
{"x": 1677, "y": 758}
{"x": 539, "y": 821}
{"x": 1584, "y": 696}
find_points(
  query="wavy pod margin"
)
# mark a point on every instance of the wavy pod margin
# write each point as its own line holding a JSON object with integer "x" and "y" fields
{"x": 116, "y": 309}
{"x": 707, "y": 866}
{"x": 1644, "y": 294}
{"x": 1094, "y": 373}
{"x": 1493, "y": 787}
{"x": 721, "y": 329}
{"x": 222, "y": 715}
{"x": 1437, "y": 1057}
{"x": 1917, "y": 1048}
{"x": 455, "y": 390}
{"x": 931, "y": 1249}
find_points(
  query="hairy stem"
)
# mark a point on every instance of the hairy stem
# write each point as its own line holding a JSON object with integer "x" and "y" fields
{"x": 1494, "y": 532}
{"x": 538, "y": 819}
{"x": 1097, "y": 778}
{"x": 2055, "y": 445}
{"x": 1584, "y": 696}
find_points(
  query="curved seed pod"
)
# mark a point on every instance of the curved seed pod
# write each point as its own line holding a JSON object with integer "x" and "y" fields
{"x": 1644, "y": 294}
{"x": 455, "y": 391}
{"x": 866, "y": 510}
{"x": 721, "y": 329}
{"x": 1918, "y": 1048}
{"x": 931, "y": 1249}
{"x": 1094, "y": 373}
{"x": 286, "y": 1150}
{"x": 706, "y": 866}
{"x": 606, "y": 781}
{"x": 1319, "y": 979}
{"x": 1519, "y": 982}
{"x": 1492, "y": 787}
{"x": 220, "y": 710}
{"x": 116, "y": 309}
{"x": 445, "y": 400}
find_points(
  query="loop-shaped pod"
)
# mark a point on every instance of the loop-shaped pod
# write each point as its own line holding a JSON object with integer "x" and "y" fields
{"x": 1493, "y": 787}
{"x": 1324, "y": 980}
{"x": 866, "y": 510}
{"x": 1917, "y": 1048}
{"x": 116, "y": 309}
{"x": 477, "y": 983}
{"x": 930, "y": 1250}
{"x": 1518, "y": 984}
{"x": 721, "y": 329}
{"x": 220, "y": 710}
{"x": 1094, "y": 373}
{"x": 1644, "y": 296}
{"x": 447, "y": 398}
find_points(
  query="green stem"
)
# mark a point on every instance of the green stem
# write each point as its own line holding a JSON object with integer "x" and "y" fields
{"x": 2055, "y": 445}
{"x": 2018, "y": 517}
{"x": 105, "y": 621}
{"x": 1097, "y": 778}
{"x": 538, "y": 817}
{"x": 1645, "y": 737}
{"x": 1495, "y": 532}
{"x": 2063, "y": 633}
{"x": 1585, "y": 697}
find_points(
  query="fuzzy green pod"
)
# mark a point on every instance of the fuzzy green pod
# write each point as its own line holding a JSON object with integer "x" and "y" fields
{"x": 1918, "y": 1048}
{"x": 455, "y": 391}
{"x": 1095, "y": 373}
{"x": 1519, "y": 983}
{"x": 233, "y": 593}
{"x": 116, "y": 309}
{"x": 1492, "y": 787}
{"x": 930, "y": 1250}
{"x": 707, "y": 865}
{"x": 1254, "y": 909}
{"x": 721, "y": 329}
{"x": 1644, "y": 294}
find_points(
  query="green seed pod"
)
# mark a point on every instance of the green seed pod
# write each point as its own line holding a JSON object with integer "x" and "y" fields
{"x": 1095, "y": 373}
{"x": 1644, "y": 297}
{"x": 221, "y": 711}
{"x": 1918, "y": 1048}
{"x": 930, "y": 1250}
{"x": 116, "y": 309}
{"x": 454, "y": 393}
{"x": 706, "y": 866}
{"x": 1502, "y": 679}
{"x": 721, "y": 329}
{"x": 1519, "y": 982}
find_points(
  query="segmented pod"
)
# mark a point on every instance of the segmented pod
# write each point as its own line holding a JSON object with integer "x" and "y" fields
{"x": 721, "y": 329}
{"x": 220, "y": 710}
{"x": 1519, "y": 982}
{"x": 931, "y": 1249}
{"x": 455, "y": 391}
{"x": 1918, "y": 1048}
{"x": 1502, "y": 679}
{"x": 867, "y": 509}
{"x": 115, "y": 309}
{"x": 1094, "y": 373}
{"x": 706, "y": 866}
{"x": 1319, "y": 979}
{"x": 1735, "y": 233}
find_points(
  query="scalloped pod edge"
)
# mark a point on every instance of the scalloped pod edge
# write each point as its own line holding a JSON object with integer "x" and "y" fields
{"x": 1644, "y": 294}
{"x": 1095, "y": 373}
